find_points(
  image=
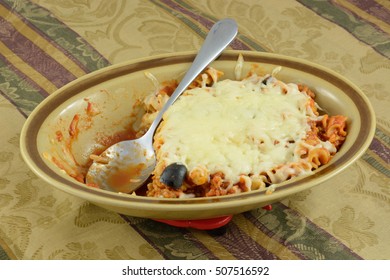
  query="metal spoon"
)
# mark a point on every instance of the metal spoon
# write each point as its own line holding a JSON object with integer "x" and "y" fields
{"x": 125, "y": 166}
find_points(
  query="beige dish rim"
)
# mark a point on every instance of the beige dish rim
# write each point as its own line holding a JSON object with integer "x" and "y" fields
{"x": 29, "y": 133}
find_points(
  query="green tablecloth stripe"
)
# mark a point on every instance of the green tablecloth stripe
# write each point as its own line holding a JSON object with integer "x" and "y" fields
{"x": 50, "y": 27}
{"x": 19, "y": 90}
{"x": 3, "y": 254}
{"x": 350, "y": 20}
{"x": 299, "y": 234}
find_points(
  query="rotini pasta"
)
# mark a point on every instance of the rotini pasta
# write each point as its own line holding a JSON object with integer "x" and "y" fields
{"x": 235, "y": 136}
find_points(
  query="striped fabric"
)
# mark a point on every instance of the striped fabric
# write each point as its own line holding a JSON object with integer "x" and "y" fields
{"x": 353, "y": 15}
{"x": 249, "y": 230}
{"x": 39, "y": 54}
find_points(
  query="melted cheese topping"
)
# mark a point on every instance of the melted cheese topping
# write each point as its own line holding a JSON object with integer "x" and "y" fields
{"x": 236, "y": 127}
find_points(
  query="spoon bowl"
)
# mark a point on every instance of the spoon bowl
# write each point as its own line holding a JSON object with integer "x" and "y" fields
{"x": 125, "y": 166}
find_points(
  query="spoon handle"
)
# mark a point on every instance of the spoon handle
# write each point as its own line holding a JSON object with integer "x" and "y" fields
{"x": 218, "y": 38}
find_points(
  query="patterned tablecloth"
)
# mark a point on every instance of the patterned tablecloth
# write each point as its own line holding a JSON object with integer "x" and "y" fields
{"x": 44, "y": 44}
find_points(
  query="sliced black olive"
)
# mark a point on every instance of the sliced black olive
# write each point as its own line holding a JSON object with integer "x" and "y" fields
{"x": 173, "y": 175}
{"x": 266, "y": 79}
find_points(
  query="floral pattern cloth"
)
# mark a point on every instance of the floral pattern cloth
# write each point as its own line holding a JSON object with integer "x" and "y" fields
{"x": 45, "y": 44}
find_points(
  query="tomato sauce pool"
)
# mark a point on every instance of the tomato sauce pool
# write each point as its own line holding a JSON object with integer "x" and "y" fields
{"x": 119, "y": 179}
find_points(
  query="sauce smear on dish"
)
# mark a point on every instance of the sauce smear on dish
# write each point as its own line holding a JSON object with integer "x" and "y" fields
{"x": 119, "y": 179}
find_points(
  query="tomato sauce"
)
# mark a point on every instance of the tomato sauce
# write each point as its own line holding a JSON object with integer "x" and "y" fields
{"x": 119, "y": 179}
